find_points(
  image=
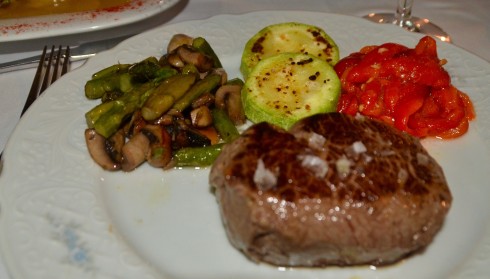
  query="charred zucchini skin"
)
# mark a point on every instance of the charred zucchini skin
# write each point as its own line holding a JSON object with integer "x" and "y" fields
{"x": 287, "y": 87}
{"x": 288, "y": 37}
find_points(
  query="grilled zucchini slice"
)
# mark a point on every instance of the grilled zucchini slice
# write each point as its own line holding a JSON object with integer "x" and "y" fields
{"x": 286, "y": 87}
{"x": 288, "y": 37}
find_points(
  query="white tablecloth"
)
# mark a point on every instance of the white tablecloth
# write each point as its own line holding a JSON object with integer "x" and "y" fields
{"x": 467, "y": 22}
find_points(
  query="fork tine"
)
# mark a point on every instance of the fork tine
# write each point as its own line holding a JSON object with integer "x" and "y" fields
{"x": 54, "y": 77}
{"x": 46, "y": 81}
{"x": 35, "y": 84}
{"x": 44, "y": 77}
{"x": 66, "y": 63}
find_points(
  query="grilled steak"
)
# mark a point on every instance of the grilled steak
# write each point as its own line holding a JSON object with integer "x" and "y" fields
{"x": 334, "y": 190}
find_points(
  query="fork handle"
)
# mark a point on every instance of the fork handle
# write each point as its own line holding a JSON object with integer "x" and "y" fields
{"x": 21, "y": 64}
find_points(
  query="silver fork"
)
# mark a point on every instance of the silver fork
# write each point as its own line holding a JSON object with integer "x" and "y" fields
{"x": 44, "y": 77}
{"x": 59, "y": 63}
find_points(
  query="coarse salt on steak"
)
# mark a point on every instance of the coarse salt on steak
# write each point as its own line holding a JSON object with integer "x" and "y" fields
{"x": 333, "y": 190}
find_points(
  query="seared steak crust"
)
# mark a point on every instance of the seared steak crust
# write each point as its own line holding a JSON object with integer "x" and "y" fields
{"x": 334, "y": 190}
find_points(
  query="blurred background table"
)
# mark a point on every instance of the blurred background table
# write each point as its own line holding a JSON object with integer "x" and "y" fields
{"x": 467, "y": 22}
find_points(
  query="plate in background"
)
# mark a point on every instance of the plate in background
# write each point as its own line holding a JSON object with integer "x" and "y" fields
{"x": 71, "y": 23}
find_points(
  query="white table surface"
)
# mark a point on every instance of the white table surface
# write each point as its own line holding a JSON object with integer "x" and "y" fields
{"x": 467, "y": 22}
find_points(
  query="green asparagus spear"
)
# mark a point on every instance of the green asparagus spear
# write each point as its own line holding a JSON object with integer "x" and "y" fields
{"x": 109, "y": 122}
{"x": 106, "y": 118}
{"x": 123, "y": 77}
{"x": 223, "y": 124}
{"x": 96, "y": 88}
{"x": 111, "y": 70}
{"x": 203, "y": 46}
{"x": 145, "y": 70}
{"x": 164, "y": 73}
{"x": 197, "y": 156}
{"x": 207, "y": 84}
{"x": 111, "y": 96}
{"x": 94, "y": 114}
{"x": 159, "y": 105}
{"x": 165, "y": 95}
{"x": 189, "y": 69}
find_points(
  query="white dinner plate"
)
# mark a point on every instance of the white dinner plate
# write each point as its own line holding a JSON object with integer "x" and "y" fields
{"x": 70, "y": 23}
{"x": 62, "y": 216}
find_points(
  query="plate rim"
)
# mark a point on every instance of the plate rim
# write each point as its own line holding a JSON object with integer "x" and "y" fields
{"x": 27, "y": 28}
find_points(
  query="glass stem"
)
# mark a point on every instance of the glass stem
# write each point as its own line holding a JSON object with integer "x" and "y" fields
{"x": 403, "y": 15}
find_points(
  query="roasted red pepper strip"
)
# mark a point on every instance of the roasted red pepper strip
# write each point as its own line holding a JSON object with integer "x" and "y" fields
{"x": 405, "y": 87}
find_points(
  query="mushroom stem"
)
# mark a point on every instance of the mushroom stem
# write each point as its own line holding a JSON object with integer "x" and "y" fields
{"x": 96, "y": 145}
{"x": 160, "y": 150}
{"x": 189, "y": 55}
{"x": 134, "y": 151}
{"x": 201, "y": 117}
{"x": 228, "y": 98}
{"x": 177, "y": 41}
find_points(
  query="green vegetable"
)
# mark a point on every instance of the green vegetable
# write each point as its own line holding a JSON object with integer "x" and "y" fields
{"x": 163, "y": 73}
{"x": 288, "y": 37}
{"x": 165, "y": 95}
{"x": 223, "y": 124}
{"x": 154, "y": 86}
{"x": 197, "y": 156}
{"x": 144, "y": 70}
{"x": 106, "y": 118}
{"x": 111, "y": 70}
{"x": 111, "y": 96}
{"x": 123, "y": 77}
{"x": 96, "y": 88}
{"x": 207, "y": 84}
{"x": 287, "y": 87}
{"x": 190, "y": 69}
{"x": 109, "y": 122}
{"x": 203, "y": 46}
{"x": 94, "y": 114}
